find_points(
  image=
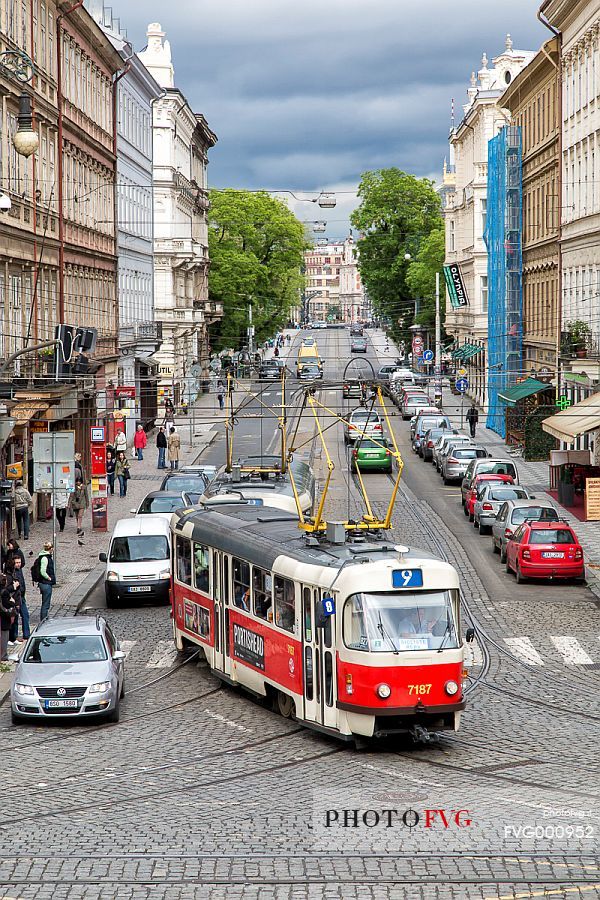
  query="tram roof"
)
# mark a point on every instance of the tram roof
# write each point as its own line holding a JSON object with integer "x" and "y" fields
{"x": 224, "y": 482}
{"x": 262, "y": 534}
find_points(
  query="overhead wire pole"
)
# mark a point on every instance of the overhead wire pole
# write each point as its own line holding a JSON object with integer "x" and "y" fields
{"x": 438, "y": 342}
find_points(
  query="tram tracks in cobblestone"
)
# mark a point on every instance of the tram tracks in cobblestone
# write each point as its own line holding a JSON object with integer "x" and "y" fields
{"x": 486, "y": 641}
{"x": 186, "y": 788}
{"x": 91, "y": 728}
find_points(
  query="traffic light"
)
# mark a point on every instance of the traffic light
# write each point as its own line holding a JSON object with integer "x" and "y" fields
{"x": 69, "y": 352}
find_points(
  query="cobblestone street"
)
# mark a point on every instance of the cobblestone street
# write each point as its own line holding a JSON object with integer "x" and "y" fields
{"x": 201, "y": 791}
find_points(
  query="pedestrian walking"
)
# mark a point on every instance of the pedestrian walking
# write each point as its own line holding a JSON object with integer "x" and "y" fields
{"x": 473, "y": 418}
{"x": 8, "y": 612}
{"x": 174, "y": 444}
{"x": 169, "y": 419}
{"x": 161, "y": 443}
{"x": 18, "y": 576}
{"x": 61, "y": 504}
{"x": 140, "y": 442}
{"x": 120, "y": 442}
{"x": 44, "y": 575}
{"x": 23, "y": 502}
{"x": 221, "y": 394}
{"x": 12, "y": 552}
{"x": 78, "y": 503}
{"x": 122, "y": 472}
{"x": 110, "y": 471}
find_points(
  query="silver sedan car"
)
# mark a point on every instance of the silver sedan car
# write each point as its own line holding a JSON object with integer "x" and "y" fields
{"x": 69, "y": 668}
{"x": 513, "y": 513}
{"x": 459, "y": 457}
{"x": 442, "y": 444}
{"x": 490, "y": 498}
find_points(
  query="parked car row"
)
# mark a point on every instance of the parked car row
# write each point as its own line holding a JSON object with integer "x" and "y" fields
{"x": 528, "y": 532}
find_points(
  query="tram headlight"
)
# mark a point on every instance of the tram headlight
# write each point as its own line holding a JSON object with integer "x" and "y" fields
{"x": 383, "y": 691}
{"x": 451, "y": 688}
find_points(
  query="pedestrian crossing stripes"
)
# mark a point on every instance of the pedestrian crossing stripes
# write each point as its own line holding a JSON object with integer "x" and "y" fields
{"x": 572, "y": 651}
{"x": 523, "y": 648}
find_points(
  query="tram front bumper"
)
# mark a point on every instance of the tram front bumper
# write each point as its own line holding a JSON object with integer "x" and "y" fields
{"x": 401, "y": 720}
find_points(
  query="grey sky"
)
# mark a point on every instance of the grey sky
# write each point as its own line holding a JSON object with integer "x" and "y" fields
{"x": 307, "y": 95}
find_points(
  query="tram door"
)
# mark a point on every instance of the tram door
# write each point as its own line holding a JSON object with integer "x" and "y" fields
{"x": 319, "y": 668}
{"x": 221, "y": 596}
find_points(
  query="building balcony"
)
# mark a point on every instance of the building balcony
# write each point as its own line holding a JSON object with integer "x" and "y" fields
{"x": 137, "y": 332}
{"x": 586, "y": 348}
{"x": 184, "y": 249}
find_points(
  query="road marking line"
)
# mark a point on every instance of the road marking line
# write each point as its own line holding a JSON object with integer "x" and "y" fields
{"x": 163, "y": 657}
{"x": 524, "y": 649}
{"x": 473, "y": 655}
{"x": 571, "y": 651}
{"x": 546, "y": 892}
{"x": 127, "y": 647}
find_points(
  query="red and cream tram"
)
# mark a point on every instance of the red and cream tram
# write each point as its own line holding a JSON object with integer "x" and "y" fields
{"x": 356, "y": 638}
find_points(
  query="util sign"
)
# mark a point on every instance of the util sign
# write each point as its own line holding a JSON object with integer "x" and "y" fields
{"x": 417, "y": 344}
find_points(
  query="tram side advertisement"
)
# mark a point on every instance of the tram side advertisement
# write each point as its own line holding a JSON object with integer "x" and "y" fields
{"x": 249, "y": 646}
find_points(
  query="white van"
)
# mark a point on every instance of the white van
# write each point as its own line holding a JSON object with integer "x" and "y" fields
{"x": 138, "y": 563}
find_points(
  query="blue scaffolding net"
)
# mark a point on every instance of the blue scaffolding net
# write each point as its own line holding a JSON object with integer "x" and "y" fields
{"x": 503, "y": 236}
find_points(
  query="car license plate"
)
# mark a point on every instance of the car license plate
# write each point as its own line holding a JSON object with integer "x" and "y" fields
{"x": 548, "y": 554}
{"x": 371, "y": 455}
{"x": 61, "y": 704}
{"x": 139, "y": 590}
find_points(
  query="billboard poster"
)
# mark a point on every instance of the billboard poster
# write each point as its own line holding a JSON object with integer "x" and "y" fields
{"x": 456, "y": 286}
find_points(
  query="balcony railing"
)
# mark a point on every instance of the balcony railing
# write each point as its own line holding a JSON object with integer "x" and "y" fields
{"x": 588, "y": 347}
{"x": 140, "y": 331}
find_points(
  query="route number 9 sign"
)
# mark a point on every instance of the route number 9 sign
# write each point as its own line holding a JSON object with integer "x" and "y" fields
{"x": 405, "y": 578}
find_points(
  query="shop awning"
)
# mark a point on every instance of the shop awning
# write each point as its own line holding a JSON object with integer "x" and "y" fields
{"x": 25, "y": 410}
{"x": 575, "y": 378}
{"x": 527, "y": 388}
{"x": 578, "y": 419}
{"x": 466, "y": 351}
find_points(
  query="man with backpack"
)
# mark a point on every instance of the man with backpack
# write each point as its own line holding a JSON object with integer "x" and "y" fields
{"x": 44, "y": 575}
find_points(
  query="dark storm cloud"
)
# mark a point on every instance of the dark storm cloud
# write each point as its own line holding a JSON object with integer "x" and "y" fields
{"x": 311, "y": 94}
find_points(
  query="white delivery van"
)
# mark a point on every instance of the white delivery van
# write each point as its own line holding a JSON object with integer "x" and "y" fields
{"x": 138, "y": 563}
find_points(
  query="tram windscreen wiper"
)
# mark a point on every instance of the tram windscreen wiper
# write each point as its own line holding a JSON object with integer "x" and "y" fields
{"x": 447, "y": 632}
{"x": 385, "y": 635}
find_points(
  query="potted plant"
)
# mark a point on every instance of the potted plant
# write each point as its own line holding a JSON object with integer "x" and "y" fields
{"x": 578, "y": 333}
{"x": 566, "y": 488}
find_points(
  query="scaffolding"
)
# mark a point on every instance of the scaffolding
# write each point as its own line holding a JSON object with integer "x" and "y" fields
{"x": 503, "y": 235}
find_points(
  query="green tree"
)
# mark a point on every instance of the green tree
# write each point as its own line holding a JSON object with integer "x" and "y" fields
{"x": 397, "y": 212}
{"x": 256, "y": 247}
{"x": 420, "y": 277}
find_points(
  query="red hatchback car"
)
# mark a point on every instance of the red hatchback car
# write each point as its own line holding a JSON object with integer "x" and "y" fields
{"x": 471, "y": 496}
{"x": 545, "y": 550}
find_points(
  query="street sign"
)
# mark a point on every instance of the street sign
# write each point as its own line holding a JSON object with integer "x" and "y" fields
{"x": 461, "y": 372}
{"x": 428, "y": 355}
{"x": 461, "y": 385}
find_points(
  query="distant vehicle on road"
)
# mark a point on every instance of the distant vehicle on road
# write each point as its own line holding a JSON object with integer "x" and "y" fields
{"x": 184, "y": 481}
{"x": 269, "y": 371}
{"x": 358, "y": 345}
{"x": 138, "y": 563}
{"x": 160, "y": 503}
{"x": 371, "y": 456}
{"x": 513, "y": 513}
{"x": 363, "y": 423}
{"x": 257, "y": 480}
{"x": 458, "y": 460}
{"x": 493, "y": 465}
{"x": 490, "y": 498}
{"x": 70, "y": 668}
{"x": 310, "y": 372}
{"x": 545, "y": 550}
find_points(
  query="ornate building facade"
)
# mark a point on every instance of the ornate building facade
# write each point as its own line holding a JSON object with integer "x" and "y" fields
{"x": 181, "y": 140}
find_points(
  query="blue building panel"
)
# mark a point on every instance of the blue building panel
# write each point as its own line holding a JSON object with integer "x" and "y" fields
{"x": 503, "y": 238}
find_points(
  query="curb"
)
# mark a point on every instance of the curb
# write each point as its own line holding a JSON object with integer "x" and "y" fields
{"x": 83, "y": 590}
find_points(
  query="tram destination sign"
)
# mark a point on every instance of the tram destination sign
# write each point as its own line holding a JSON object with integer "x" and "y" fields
{"x": 249, "y": 646}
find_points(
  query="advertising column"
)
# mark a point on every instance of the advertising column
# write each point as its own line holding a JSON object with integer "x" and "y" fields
{"x": 99, "y": 483}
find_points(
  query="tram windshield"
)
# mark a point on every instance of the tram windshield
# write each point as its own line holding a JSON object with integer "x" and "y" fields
{"x": 389, "y": 623}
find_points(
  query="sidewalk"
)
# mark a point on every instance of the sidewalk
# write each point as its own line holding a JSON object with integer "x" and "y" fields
{"x": 78, "y": 569}
{"x": 533, "y": 475}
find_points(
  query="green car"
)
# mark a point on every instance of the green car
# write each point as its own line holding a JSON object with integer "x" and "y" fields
{"x": 372, "y": 456}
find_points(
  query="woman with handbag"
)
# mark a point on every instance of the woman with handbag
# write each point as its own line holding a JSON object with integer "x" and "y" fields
{"x": 78, "y": 503}
{"x": 8, "y": 612}
{"x": 122, "y": 473}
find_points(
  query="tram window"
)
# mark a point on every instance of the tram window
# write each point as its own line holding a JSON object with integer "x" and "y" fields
{"x": 184, "y": 561}
{"x": 392, "y": 622}
{"x": 201, "y": 567}
{"x": 241, "y": 584}
{"x": 285, "y": 603}
{"x": 317, "y": 676}
{"x": 327, "y": 632}
{"x": 355, "y": 629}
{"x": 328, "y": 679}
{"x": 308, "y": 673}
{"x": 307, "y": 612}
{"x": 261, "y": 589}
{"x": 226, "y": 579}
{"x": 217, "y": 629}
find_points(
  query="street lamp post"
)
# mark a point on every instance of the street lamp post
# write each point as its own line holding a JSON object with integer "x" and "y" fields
{"x": 17, "y": 67}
